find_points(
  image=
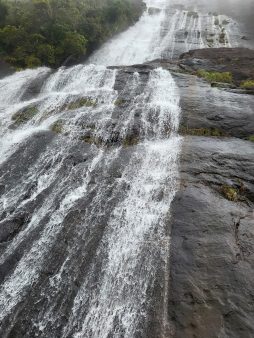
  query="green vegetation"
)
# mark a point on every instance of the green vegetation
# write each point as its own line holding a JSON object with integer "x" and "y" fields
{"x": 91, "y": 139}
{"x": 84, "y": 102}
{"x": 130, "y": 140}
{"x": 225, "y": 77}
{"x": 248, "y": 84}
{"x": 229, "y": 192}
{"x": 48, "y": 32}
{"x": 57, "y": 127}
{"x": 208, "y": 132}
{"x": 251, "y": 138}
{"x": 119, "y": 102}
{"x": 24, "y": 115}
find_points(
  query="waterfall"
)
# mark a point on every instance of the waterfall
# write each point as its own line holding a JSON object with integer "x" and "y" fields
{"x": 136, "y": 233}
{"x": 88, "y": 170}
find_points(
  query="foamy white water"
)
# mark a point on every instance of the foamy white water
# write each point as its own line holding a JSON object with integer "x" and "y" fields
{"x": 165, "y": 31}
{"x": 85, "y": 209}
{"x": 136, "y": 224}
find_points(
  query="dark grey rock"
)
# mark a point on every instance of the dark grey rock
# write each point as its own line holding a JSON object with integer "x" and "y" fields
{"x": 212, "y": 261}
{"x": 211, "y": 254}
{"x": 206, "y": 107}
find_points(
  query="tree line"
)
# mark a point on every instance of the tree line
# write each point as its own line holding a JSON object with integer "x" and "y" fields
{"x": 47, "y": 32}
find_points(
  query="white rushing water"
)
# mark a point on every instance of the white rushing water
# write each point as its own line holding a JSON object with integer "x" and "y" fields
{"x": 126, "y": 215}
{"x": 167, "y": 30}
{"x": 137, "y": 224}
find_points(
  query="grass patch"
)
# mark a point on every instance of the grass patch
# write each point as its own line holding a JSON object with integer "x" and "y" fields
{"x": 24, "y": 115}
{"x": 208, "y": 132}
{"x": 229, "y": 192}
{"x": 248, "y": 84}
{"x": 225, "y": 77}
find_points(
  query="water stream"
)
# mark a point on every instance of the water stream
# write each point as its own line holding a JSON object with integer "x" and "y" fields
{"x": 85, "y": 209}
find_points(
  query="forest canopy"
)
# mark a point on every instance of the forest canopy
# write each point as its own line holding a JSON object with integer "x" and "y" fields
{"x": 48, "y": 32}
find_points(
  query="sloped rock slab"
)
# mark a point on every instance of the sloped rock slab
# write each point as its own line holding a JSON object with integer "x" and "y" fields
{"x": 212, "y": 242}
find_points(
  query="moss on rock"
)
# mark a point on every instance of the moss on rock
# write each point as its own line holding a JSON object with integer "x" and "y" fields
{"x": 248, "y": 84}
{"x": 208, "y": 132}
{"x": 57, "y": 127}
{"x": 229, "y": 192}
{"x": 91, "y": 139}
{"x": 24, "y": 115}
{"x": 119, "y": 102}
{"x": 130, "y": 140}
{"x": 211, "y": 76}
{"x": 83, "y": 102}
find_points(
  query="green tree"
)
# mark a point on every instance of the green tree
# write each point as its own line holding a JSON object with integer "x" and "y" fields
{"x": 3, "y": 13}
{"x": 46, "y": 53}
{"x": 47, "y": 32}
{"x": 73, "y": 44}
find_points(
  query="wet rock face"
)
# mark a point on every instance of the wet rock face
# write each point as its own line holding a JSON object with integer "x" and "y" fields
{"x": 212, "y": 232}
{"x": 231, "y": 114}
{"x": 212, "y": 260}
{"x": 74, "y": 236}
{"x": 212, "y": 257}
{"x": 238, "y": 61}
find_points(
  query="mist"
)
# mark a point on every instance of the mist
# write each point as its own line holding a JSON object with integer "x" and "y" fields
{"x": 240, "y": 10}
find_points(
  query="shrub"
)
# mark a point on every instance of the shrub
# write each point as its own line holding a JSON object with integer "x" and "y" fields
{"x": 32, "y": 61}
{"x": 46, "y": 53}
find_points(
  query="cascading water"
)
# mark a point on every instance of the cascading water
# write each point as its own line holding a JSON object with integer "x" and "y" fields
{"x": 88, "y": 172}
